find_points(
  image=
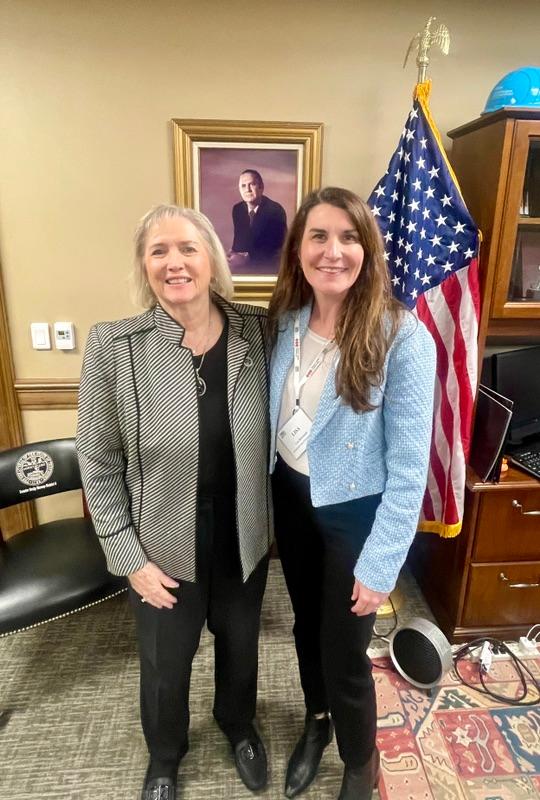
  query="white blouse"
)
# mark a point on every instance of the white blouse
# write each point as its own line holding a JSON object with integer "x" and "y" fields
{"x": 310, "y": 392}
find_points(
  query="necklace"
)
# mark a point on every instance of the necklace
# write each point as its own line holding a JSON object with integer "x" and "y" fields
{"x": 201, "y": 383}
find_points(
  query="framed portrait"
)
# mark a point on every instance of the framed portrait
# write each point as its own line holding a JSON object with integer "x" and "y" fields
{"x": 249, "y": 178}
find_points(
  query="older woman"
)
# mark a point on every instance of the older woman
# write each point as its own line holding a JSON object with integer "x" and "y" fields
{"x": 173, "y": 441}
{"x": 351, "y": 410}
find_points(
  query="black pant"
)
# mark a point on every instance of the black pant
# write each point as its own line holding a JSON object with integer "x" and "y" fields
{"x": 168, "y": 640}
{"x": 319, "y": 548}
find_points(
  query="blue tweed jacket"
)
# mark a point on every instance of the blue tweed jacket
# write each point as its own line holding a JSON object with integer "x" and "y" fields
{"x": 353, "y": 455}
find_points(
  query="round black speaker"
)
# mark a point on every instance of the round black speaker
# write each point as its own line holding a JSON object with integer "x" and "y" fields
{"x": 420, "y": 652}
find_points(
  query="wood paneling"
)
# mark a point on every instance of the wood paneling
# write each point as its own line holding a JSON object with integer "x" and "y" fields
{"x": 47, "y": 395}
{"x": 16, "y": 519}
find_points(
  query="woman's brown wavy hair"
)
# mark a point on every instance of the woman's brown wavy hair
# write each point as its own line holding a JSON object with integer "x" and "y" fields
{"x": 369, "y": 316}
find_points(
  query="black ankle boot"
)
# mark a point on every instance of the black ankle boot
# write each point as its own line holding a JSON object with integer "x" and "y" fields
{"x": 358, "y": 784}
{"x": 159, "y": 788}
{"x": 307, "y": 754}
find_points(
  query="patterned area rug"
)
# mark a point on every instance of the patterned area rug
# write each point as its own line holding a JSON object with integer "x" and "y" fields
{"x": 74, "y": 734}
{"x": 457, "y": 744}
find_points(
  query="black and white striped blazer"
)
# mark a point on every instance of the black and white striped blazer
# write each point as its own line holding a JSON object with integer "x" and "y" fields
{"x": 138, "y": 439}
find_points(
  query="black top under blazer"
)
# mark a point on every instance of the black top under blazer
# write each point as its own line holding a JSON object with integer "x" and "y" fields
{"x": 138, "y": 439}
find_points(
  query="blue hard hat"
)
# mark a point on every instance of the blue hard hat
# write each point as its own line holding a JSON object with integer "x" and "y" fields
{"x": 520, "y": 88}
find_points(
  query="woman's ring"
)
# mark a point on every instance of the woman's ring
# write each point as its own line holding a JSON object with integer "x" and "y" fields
{"x": 143, "y": 599}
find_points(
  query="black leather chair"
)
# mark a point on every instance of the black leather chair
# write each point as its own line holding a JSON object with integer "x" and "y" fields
{"x": 56, "y": 568}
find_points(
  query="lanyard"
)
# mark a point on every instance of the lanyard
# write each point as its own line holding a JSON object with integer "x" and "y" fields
{"x": 313, "y": 367}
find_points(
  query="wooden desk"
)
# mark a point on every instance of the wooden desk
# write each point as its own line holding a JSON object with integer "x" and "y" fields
{"x": 486, "y": 581}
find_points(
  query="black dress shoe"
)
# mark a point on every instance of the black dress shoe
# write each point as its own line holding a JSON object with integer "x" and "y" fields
{"x": 358, "y": 784}
{"x": 306, "y": 756}
{"x": 159, "y": 789}
{"x": 250, "y": 760}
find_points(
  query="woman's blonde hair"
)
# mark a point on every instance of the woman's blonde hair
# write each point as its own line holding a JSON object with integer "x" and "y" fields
{"x": 369, "y": 317}
{"x": 221, "y": 275}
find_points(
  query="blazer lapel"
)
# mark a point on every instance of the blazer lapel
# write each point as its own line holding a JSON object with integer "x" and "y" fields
{"x": 329, "y": 402}
{"x": 282, "y": 360}
{"x": 237, "y": 350}
{"x": 237, "y": 346}
{"x": 280, "y": 363}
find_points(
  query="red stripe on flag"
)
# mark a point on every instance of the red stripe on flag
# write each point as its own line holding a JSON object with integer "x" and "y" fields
{"x": 428, "y": 512}
{"x": 441, "y": 472}
{"x": 452, "y": 292}
{"x": 473, "y": 279}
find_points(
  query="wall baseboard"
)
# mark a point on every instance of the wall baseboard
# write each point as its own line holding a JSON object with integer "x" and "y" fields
{"x": 48, "y": 394}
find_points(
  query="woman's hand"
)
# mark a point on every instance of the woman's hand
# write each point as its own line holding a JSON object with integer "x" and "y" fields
{"x": 366, "y": 601}
{"x": 150, "y": 583}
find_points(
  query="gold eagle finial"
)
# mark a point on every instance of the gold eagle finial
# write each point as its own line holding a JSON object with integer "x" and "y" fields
{"x": 423, "y": 41}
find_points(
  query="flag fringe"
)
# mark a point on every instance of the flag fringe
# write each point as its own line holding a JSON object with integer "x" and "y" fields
{"x": 444, "y": 530}
{"x": 422, "y": 92}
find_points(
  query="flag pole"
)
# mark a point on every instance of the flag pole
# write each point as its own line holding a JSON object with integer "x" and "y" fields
{"x": 423, "y": 41}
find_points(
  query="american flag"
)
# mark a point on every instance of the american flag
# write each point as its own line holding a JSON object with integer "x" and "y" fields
{"x": 431, "y": 248}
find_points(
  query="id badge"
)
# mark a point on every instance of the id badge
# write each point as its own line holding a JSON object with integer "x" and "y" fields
{"x": 294, "y": 434}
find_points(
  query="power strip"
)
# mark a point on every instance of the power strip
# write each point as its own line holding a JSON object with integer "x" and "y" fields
{"x": 519, "y": 649}
{"x": 528, "y": 647}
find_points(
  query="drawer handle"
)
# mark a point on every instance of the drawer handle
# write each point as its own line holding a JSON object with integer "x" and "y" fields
{"x": 516, "y": 504}
{"x": 502, "y": 577}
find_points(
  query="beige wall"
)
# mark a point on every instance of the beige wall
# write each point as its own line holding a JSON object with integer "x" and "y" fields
{"x": 89, "y": 87}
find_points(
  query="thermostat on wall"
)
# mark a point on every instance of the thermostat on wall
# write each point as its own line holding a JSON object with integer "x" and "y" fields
{"x": 64, "y": 335}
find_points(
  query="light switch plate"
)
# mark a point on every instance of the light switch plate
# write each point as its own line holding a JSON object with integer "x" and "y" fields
{"x": 41, "y": 339}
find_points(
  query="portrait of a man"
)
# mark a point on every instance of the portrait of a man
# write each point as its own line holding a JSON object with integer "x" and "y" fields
{"x": 249, "y": 179}
{"x": 260, "y": 227}
{"x": 251, "y": 195}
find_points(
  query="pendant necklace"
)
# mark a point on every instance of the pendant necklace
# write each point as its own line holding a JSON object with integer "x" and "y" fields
{"x": 201, "y": 383}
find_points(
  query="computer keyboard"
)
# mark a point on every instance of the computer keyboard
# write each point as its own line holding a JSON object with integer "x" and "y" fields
{"x": 529, "y": 460}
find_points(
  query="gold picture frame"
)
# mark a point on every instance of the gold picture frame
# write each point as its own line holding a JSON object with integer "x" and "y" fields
{"x": 209, "y": 156}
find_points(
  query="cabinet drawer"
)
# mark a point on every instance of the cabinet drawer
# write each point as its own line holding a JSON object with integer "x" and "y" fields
{"x": 492, "y": 600}
{"x": 505, "y": 531}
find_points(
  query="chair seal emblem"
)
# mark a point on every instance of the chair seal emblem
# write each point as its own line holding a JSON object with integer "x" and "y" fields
{"x": 34, "y": 468}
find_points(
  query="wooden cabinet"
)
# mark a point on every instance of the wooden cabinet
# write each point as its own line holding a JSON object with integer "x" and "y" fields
{"x": 507, "y": 527}
{"x": 512, "y": 592}
{"x": 486, "y": 581}
{"x": 496, "y": 159}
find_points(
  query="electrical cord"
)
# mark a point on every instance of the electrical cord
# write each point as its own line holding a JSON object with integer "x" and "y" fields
{"x": 537, "y": 635}
{"x": 521, "y": 668}
{"x": 384, "y": 637}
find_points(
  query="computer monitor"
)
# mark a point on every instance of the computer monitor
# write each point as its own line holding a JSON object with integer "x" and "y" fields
{"x": 516, "y": 375}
